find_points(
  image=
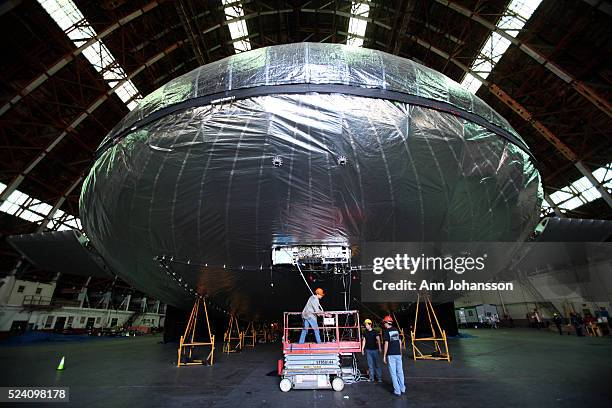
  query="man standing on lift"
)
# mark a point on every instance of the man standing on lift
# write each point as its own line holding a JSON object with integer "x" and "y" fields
{"x": 309, "y": 315}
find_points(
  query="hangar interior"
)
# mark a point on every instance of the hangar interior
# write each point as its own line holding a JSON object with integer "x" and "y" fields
{"x": 313, "y": 109}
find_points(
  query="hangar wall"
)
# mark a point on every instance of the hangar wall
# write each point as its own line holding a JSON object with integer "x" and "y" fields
{"x": 562, "y": 290}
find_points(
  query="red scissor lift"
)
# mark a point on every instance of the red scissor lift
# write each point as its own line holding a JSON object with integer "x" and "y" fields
{"x": 319, "y": 365}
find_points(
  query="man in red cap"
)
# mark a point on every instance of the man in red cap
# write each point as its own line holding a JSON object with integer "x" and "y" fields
{"x": 392, "y": 355}
{"x": 309, "y": 315}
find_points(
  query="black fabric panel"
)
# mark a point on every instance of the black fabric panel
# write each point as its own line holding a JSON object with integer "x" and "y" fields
{"x": 60, "y": 251}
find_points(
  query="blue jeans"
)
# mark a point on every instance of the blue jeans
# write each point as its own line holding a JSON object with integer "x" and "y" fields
{"x": 374, "y": 364}
{"x": 312, "y": 323}
{"x": 397, "y": 373}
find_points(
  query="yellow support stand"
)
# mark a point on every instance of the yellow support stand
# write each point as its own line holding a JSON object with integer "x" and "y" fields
{"x": 233, "y": 334}
{"x": 591, "y": 329}
{"x": 187, "y": 342}
{"x": 261, "y": 334}
{"x": 249, "y": 335}
{"x": 437, "y": 337}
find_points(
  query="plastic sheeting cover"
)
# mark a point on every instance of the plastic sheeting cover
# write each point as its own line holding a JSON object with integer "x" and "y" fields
{"x": 200, "y": 183}
{"x": 312, "y": 63}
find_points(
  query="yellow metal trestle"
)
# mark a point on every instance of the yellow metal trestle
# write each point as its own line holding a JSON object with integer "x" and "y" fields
{"x": 188, "y": 339}
{"x": 249, "y": 336}
{"x": 437, "y": 337}
{"x": 233, "y": 339}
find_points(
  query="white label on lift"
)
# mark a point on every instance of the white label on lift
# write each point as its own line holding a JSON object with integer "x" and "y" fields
{"x": 322, "y": 381}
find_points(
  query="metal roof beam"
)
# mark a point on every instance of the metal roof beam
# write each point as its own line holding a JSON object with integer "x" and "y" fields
{"x": 57, "y": 205}
{"x": 580, "y": 87}
{"x": 180, "y": 10}
{"x": 565, "y": 150}
{"x": 16, "y": 182}
{"x": 400, "y": 26}
{"x": 65, "y": 60}
{"x": 602, "y": 5}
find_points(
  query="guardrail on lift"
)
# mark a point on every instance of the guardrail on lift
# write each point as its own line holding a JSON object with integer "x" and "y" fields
{"x": 340, "y": 333}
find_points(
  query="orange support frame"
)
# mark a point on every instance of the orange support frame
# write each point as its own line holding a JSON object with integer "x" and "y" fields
{"x": 249, "y": 335}
{"x": 233, "y": 334}
{"x": 437, "y": 337}
{"x": 187, "y": 342}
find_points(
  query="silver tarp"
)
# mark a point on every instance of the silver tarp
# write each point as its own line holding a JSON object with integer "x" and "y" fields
{"x": 199, "y": 183}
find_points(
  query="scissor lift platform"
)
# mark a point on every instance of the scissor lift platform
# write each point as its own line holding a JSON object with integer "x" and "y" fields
{"x": 322, "y": 348}
{"x": 319, "y": 365}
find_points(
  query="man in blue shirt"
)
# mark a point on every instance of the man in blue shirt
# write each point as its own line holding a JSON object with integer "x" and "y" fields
{"x": 392, "y": 355}
{"x": 309, "y": 315}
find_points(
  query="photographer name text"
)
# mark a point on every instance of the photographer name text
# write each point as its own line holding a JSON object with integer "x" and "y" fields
{"x": 409, "y": 285}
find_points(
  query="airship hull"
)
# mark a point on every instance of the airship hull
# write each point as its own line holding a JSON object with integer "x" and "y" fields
{"x": 217, "y": 183}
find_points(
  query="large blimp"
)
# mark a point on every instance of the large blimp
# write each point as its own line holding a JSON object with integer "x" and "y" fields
{"x": 299, "y": 144}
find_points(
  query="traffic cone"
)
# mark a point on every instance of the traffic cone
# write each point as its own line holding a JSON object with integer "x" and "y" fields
{"x": 61, "y": 364}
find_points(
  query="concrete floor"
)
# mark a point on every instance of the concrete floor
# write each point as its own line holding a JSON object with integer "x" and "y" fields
{"x": 502, "y": 368}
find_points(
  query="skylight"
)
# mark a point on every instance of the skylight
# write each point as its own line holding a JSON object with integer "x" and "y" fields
{"x": 357, "y": 26}
{"x": 514, "y": 18}
{"x": 30, "y": 209}
{"x": 237, "y": 25}
{"x": 70, "y": 19}
{"x": 581, "y": 191}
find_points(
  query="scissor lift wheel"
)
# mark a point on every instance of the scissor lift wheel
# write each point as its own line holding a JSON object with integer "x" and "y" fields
{"x": 285, "y": 385}
{"x": 337, "y": 384}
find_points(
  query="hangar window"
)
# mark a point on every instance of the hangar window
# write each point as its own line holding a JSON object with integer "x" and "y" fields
{"x": 581, "y": 191}
{"x": 512, "y": 21}
{"x": 70, "y": 19}
{"x": 357, "y": 23}
{"x": 30, "y": 209}
{"x": 234, "y": 14}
